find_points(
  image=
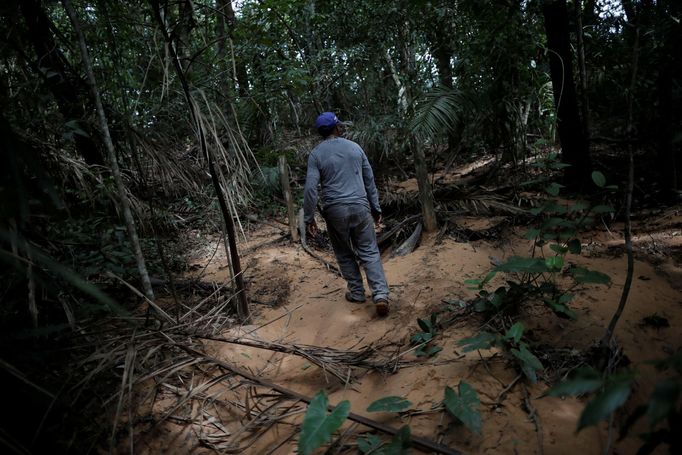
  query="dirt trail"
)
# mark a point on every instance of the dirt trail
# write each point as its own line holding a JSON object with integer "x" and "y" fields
{"x": 307, "y": 306}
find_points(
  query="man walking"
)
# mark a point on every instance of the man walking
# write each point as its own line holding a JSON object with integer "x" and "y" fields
{"x": 350, "y": 206}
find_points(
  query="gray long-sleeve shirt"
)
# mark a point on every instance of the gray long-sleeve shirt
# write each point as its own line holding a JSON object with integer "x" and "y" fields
{"x": 342, "y": 170}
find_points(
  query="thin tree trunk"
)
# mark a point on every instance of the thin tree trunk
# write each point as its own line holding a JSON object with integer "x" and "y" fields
{"x": 420, "y": 164}
{"x": 669, "y": 35}
{"x": 111, "y": 152}
{"x": 425, "y": 190}
{"x": 286, "y": 190}
{"x": 243, "y": 304}
{"x": 584, "y": 100}
{"x": 606, "y": 340}
{"x": 574, "y": 148}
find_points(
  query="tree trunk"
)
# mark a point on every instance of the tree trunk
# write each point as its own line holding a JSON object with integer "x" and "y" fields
{"x": 443, "y": 54}
{"x": 184, "y": 30}
{"x": 668, "y": 165}
{"x": 574, "y": 147}
{"x": 124, "y": 204}
{"x": 584, "y": 101}
{"x": 65, "y": 87}
{"x": 286, "y": 191}
{"x": 425, "y": 190}
{"x": 420, "y": 163}
{"x": 243, "y": 304}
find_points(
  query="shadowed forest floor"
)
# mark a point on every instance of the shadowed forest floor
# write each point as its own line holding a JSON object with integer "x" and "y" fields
{"x": 297, "y": 301}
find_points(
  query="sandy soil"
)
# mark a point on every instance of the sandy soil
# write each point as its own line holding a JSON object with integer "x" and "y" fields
{"x": 298, "y": 301}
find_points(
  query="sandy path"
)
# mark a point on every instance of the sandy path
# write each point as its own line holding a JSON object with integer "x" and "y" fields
{"x": 317, "y": 314}
{"x": 297, "y": 300}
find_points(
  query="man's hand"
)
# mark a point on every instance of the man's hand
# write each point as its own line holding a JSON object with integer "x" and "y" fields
{"x": 311, "y": 228}
{"x": 377, "y": 221}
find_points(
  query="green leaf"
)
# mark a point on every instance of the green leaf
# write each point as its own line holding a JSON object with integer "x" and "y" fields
{"x": 517, "y": 264}
{"x": 583, "y": 275}
{"x": 488, "y": 276}
{"x": 663, "y": 400}
{"x": 598, "y": 179}
{"x": 464, "y": 406}
{"x": 561, "y": 309}
{"x": 389, "y": 404}
{"x": 399, "y": 445}
{"x": 421, "y": 337}
{"x": 574, "y": 246}
{"x": 553, "y": 189}
{"x": 554, "y": 263}
{"x": 433, "y": 350}
{"x": 318, "y": 426}
{"x": 529, "y": 363}
{"x": 515, "y": 332}
{"x": 600, "y": 407}
{"x": 425, "y": 325}
{"x": 369, "y": 444}
{"x": 565, "y": 298}
{"x": 473, "y": 283}
{"x": 584, "y": 380}
{"x": 536, "y": 210}
{"x": 484, "y": 340}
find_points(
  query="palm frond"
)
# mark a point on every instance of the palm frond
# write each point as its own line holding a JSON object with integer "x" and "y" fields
{"x": 438, "y": 112}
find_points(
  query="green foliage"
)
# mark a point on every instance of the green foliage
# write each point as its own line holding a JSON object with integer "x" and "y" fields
{"x": 318, "y": 426}
{"x": 612, "y": 392}
{"x": 484, "y": 340}
{"x": 584, "y": 380}
{"x": 439, "y": 112}
{"x": 369, "y": 444}
{"x": 585, "y": 276}
{"x": 465, "y": 406}
{"x": 399, "y": 444}
{"x": 512, "y": 342}
{"x": 429, "y": 329}
{"x": 529, "y": 363}
{"x": 389, "y": 404}
{"x": 600, "y": 408}
{"x": 554, "y": 238}
{"x": 599, "y": 179}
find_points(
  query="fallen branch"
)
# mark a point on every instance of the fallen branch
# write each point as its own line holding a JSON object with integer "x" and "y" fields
{"x": 390, "y": 233}
{"x": 418, "y": 442}
{"x": 329, "y": 359}
{"x": 410, "y": 244}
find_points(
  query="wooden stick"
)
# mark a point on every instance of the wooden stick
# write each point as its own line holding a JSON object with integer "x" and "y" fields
{"x": 286, "y": 190}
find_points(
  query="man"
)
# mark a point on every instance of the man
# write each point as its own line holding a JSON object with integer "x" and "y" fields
{"x": 350, "y": 206}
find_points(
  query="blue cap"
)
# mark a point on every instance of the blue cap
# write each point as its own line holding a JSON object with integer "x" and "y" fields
{"x": 326, "y": 120}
